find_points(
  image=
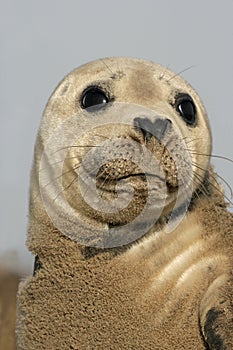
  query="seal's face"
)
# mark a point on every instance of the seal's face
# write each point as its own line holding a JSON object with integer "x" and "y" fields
{"x": 136, "y": 136}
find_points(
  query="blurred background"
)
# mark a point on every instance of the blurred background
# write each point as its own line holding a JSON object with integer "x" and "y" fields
{"x": 42, "y": 41}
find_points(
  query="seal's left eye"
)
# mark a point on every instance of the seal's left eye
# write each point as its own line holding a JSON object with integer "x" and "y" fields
{"x": 94, "y": 97}
{"x": 186, "y": 108}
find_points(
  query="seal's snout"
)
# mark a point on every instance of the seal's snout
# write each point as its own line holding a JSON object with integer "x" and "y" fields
{"x": 149, "y": 129}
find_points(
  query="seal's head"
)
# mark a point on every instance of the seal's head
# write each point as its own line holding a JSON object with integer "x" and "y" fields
{"x": 120, "y": 146}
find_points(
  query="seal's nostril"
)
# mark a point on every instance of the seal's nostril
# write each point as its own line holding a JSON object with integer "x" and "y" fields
{"x": 145, "y": 127}
{"x": 160, "y": 127}
{"x": 150, "y": 129}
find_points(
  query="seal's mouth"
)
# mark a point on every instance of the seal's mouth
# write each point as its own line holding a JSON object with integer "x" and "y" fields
{"x": 125, "y": 171}
{"x": 108, "y": 184}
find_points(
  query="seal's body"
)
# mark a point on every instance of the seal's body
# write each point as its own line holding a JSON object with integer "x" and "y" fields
{"x": 153, "y": 270}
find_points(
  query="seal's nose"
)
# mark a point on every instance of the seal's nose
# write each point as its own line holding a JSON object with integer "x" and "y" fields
{"x": 151, "y": 129}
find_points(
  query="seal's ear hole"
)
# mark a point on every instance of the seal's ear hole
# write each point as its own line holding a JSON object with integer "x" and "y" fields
{"x": 37, "y": 265}
{"x": 186, "y": 108}
{"x": 94, "y": 97}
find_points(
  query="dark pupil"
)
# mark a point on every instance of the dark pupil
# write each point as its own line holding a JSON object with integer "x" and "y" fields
{"x": 93, "y": 98}
{"x": 187, "y": 110}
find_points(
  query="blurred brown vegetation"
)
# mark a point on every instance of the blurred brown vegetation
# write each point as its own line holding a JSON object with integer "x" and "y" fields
{"x": 8, "y": 290}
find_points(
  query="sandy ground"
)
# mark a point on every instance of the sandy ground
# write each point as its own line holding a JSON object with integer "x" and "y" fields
{"x": 8, "y": 290}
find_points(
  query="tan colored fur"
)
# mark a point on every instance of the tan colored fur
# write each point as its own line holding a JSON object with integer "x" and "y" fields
{"x": 154, "y": 293}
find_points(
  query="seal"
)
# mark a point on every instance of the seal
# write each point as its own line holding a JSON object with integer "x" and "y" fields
{"x": 129, "y": 226}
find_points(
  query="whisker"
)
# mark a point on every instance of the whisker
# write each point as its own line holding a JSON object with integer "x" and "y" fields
{"x": 66, "y": 188}
{"x": 110, "y": 70}
{"x": 186, "y": 189}
{"x": 213, "y": 156}
{"x": 105, "y": 180}
{"x": 218, "y": 190}
{"x": 76, "y": 146}
{"x": 58, "y": 177}
{"x": 182, "y": 71}
{"x": 75, "y": 178}
{"x": 200, "y": 183}
{"x": 192, "y": 140}
{"x": 205, "y": 192}
{"x": 104, "y": 137}
{"x": 57, "y": 162}
{"x": 220, "y": 177}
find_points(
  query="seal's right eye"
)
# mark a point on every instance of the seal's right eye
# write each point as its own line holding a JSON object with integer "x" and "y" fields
{"x": 94, "y": 97}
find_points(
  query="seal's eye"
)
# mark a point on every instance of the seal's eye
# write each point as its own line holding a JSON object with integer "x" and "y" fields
{"x": 94, "y": 97}
{"x": 186, "y": 108}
